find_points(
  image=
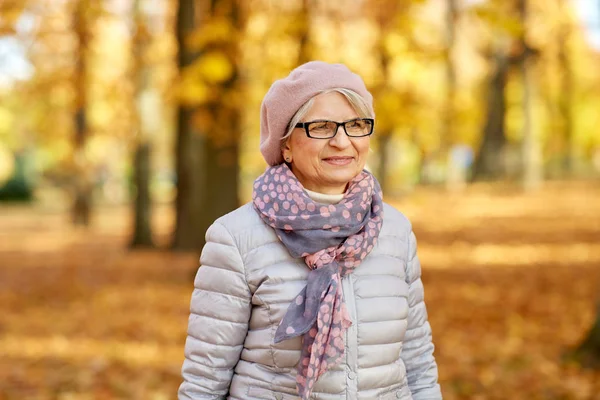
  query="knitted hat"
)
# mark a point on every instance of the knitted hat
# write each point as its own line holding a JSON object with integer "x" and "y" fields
{"x": 287, "y": 95}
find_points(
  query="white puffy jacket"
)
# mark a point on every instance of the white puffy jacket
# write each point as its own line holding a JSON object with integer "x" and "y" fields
{"x": 243, "y": 288}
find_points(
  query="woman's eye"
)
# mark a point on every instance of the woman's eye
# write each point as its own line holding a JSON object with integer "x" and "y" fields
{"x": 319, "y": 126}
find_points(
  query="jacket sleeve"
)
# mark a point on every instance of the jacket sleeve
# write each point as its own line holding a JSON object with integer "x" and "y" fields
{"x": 218, "y": 322}
{"x": 417, "y": 352}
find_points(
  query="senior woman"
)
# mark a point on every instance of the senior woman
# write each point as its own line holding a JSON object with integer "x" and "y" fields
{"x": 313, "y": 289}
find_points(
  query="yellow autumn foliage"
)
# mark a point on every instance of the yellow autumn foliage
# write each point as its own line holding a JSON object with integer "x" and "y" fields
{"x": 212, "y": 31}
{"x": 191, "y": 90}
{"x": 214, "y": 67}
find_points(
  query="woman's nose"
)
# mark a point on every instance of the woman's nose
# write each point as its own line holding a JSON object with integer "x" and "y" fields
{"x": 340, "y": 139}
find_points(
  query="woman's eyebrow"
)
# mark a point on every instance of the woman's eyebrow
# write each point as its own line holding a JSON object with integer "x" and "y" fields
{"x": 330, "y": 119}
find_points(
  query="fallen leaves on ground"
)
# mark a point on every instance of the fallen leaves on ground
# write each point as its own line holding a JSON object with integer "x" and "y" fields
{"x": 511, "y": 283}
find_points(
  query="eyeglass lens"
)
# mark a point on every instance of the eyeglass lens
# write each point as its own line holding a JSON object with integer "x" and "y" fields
{"x": 357, "y": 127}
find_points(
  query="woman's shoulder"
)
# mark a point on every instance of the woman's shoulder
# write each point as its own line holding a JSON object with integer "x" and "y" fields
{"x": 395, "y": 222}
{"x": 246, "y": 228}
{"x": 241, "y": 219}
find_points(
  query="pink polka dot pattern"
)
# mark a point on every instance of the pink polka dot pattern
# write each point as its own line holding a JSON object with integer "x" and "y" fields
{"x": 333, "y": 240}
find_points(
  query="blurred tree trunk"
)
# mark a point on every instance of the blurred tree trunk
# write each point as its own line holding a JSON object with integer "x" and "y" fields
{"x": 531, "y": 152}
{"x": 449, "y": 109}
{"x": 142, "y": 233}
{"x": 304, "y": 32}
{"x": 207, "y": 161}
{"x": 383, "y": 167}
{"x": 222, "y": 141}
{"x": 455, "y": 174}
{"x": 588, "y": 352}
{"x": 221, "y": 191}
{"x": 490, "y": 158}
{"x": 384, "y": 137}
{"x": 565, "y": 100}
{"x": 82, "y": 177}
{"x": 388, "y": 19}
{"x": 189, "y": 204}
{"x": 142, "y": 227}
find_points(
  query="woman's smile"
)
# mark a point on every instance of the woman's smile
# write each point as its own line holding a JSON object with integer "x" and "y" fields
{"x": 339, "y": 160}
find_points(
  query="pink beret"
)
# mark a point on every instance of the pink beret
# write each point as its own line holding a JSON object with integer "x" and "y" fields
{"x": 287, "y": 95}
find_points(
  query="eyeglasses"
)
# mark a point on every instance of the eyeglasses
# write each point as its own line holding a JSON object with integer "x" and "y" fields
{"x": 323, "y": 129}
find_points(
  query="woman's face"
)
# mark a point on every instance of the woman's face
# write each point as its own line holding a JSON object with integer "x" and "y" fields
{"x": 327, "y": 165}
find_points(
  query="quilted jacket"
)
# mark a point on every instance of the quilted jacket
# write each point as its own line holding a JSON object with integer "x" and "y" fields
{"x": 243, "y": 288}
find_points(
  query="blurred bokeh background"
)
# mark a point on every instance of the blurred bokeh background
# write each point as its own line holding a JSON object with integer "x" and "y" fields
{"x": 128, "y": 126}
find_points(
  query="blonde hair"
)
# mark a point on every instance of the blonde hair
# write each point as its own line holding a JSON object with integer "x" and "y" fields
{"x": 356, "y": 101}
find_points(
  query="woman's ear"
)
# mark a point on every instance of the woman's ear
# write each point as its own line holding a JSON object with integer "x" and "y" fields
{"x": 286, "y": 150}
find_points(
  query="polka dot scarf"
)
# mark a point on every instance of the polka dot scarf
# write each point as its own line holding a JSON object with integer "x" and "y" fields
{"x": 333, "y": 240}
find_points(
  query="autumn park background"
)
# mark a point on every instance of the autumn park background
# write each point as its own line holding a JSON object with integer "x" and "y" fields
{"x": 128, "y": 126}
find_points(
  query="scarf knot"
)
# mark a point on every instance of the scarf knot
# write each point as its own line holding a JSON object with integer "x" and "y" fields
{"x": 333, "y": 240}
{"x": 321, "y": 257}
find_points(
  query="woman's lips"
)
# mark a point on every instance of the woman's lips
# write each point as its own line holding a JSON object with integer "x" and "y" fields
{"x": 338, "y": 160}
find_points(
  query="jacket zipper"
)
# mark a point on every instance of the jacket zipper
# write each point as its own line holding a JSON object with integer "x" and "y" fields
{"x": 351, "y": 339}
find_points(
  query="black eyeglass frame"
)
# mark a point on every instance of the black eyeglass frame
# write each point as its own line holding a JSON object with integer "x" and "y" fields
{"x": 305, "y": 125}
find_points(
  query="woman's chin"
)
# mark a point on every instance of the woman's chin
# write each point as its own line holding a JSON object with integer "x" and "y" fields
{"x": 342, "y": 177}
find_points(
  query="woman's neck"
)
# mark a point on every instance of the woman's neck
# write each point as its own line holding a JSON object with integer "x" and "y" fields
{"x": 324, "y": 198}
